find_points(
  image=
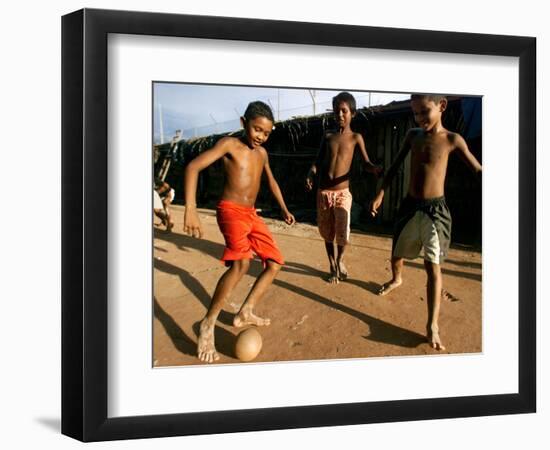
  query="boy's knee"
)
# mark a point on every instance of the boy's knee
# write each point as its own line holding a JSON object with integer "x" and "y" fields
{"x": 245, "y": 264}
{"x": 241, "y": 265}
{"x": 273, "y": 266}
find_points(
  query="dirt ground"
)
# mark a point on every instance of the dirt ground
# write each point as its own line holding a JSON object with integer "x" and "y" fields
{"x": 310, "y": 319}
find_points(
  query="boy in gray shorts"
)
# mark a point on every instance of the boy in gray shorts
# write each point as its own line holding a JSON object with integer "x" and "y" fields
{"x": 424, "y": 219}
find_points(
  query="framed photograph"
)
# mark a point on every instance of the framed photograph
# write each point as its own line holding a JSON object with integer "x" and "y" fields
{"x": 166, "y": 115}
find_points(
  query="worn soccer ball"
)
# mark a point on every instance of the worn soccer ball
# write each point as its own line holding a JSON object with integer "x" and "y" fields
{"x": 248, "y": 344}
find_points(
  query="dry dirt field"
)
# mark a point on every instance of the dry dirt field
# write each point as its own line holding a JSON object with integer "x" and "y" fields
{"x": 310, "y": 319}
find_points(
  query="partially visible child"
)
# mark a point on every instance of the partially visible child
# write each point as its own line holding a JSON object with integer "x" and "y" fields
{"x": 245, "y": 160}
{"x": 333, "y": 168}
{"x": 158, "y": 209}
{"x": 166, "y": 195}
{"x": 424, "y": 219}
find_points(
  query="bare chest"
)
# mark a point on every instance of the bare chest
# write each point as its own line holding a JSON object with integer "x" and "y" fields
{"x": 341, "y": 147}
{"x": 432, "y": 152}
{"x": 245, "y": 162}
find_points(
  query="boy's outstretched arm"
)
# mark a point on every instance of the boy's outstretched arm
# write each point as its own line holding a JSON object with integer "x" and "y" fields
{"x": 315, "y": 166}
{"x": 466, "y": 155}
{"x": 405, "y": 148}
{"x": 276, "y": 191}
{"x": 191, "y": 222}
{"x": 372, "y": 168}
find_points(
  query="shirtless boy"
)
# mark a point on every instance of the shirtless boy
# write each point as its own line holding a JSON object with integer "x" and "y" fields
{"x": 166, "y": 195}
{"x": 424, "y": 219}
{"x": 334, "y": 199}
{"x": 245, "y": 233}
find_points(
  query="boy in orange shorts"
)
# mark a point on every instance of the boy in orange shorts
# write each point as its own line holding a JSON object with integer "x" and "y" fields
{"x": 245, "y": 233}
{"x": 334, "y": 198}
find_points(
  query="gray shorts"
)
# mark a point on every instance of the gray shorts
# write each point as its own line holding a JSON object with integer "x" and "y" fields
{"x": 421, "y": 224}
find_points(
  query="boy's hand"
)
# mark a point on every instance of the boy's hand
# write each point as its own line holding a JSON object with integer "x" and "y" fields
{"x": 309, "y": 183}
{"x": 375, "y": 204}
{"x": 289, "y": 218}
{"x": 191, "y": 223}
{"x": 377, "y": 170}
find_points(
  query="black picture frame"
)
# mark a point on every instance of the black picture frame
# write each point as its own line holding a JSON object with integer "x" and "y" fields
{"x": 84, "y": 224}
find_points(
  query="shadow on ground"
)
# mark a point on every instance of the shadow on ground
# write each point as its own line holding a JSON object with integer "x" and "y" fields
{"x": 380, "y": 331}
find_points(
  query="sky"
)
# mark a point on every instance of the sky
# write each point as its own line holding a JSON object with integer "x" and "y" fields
{"x": 201, "y": 110}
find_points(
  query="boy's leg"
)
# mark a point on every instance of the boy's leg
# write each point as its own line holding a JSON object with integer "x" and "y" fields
{"x": 333, "y": 277}
{"x": 342, "y": 270}
{"x": 326, "y": 222}
{"x": 161, "y": 214}
{"x": 433, "y": 271}
{"x": 169, "y": 224}
{"x": 396, "y": 269}
{"x": 342, "y": 218}
{"x": 166, "y": 203}
{"x": 206, "y": 349}
{"x": 246, "y": 316}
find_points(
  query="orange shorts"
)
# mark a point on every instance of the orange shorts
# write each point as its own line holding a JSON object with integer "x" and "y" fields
{"x": 245, "y": 233}
{"x": 333, "y": 215}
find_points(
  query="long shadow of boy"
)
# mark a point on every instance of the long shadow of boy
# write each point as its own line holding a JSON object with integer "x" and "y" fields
{"x": 380, "y": 331}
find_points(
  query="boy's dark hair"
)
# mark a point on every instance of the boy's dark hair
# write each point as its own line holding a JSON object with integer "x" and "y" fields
{"x": 347, "y": 98}
{"x": 436, "y": 98}
{"x": 258, "y": 109}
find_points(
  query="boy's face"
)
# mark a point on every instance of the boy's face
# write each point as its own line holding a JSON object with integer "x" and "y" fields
{"x": 343, "y": 114}
{"x": 427, "y": 113}
{"x": 257, "y": 130}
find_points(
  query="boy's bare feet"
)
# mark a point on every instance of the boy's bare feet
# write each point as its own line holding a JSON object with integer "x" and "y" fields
{"x": 342, "y": 271}
{"x": 333, "y": 276}
{"x": 389, "y": 286}
{"x": 435, "y": 340}
{"x": 206, "y": 350}
{"x": 169, "y": 226}
{"x": 248, "y": 318}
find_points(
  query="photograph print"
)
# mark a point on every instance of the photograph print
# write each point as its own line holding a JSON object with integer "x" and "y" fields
{"x": 314, "y": 224}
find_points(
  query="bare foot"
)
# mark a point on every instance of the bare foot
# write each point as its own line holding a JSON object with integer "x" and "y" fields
{"x": 333, "y": 278}
{"x": 342, "y": 271}
{"x": 389, "y": 286}
{"x": 435, "y": 341}
{"x": 245, "y": 318}
{"x": 169, "y": 226}
{"x": 205, "y": 347}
